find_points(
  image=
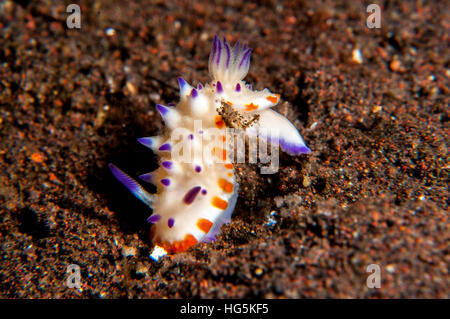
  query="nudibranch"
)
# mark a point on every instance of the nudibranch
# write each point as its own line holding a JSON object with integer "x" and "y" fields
{"x": 195, "y": 197}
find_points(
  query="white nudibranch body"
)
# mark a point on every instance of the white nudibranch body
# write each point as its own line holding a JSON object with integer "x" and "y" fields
{"x": 196, "y": 196}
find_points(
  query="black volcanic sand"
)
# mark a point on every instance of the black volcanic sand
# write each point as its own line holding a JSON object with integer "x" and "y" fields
{"x": 373, "y": 191}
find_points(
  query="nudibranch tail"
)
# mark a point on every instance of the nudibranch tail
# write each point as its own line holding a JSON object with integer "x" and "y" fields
{"x": 286, "y": 133}
{"x": 196, "y": 196}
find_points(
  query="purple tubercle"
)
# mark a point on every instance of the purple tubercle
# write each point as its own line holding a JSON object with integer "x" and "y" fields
{"x": 198, "y": 168}
{"x": 165, "y": 181}
{"x": 191, "y": 136}
{"x": 165, "y": 147}
{"x": 194, "y": 93}
{"x": 170, "y": 222}
{"x": 199, "y": 86}
{"x": 191, "y": 195}
{"x": 219, "y": 87}
{"x": 204, "y": 191}
{"x": 182, "y": 84}
{"x": 146, "y": 141}
{"x": 200, "y": 132}
{"x": 238, "y": 87}
{"x": 171, "y": 104}
{"x": 162, "y": 109}
{"x": 167, "y": 164}
{"x": 154, "y": 218}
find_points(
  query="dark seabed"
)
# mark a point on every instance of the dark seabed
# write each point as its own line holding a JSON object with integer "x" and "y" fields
{"x": 374, "y": 190}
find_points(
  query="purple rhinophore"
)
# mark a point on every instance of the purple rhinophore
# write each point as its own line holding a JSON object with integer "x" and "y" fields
{"x": 238, "y": 87}
{"x": 194, "y": 93}
{"x": 165, "y": 147}
{"x": 162, "y": 109}
{"x": 191, "y": 195}
{"x": 170, "y": 222}
{"x": 154, "y": 218}
{"x": 204, "y": 192}
{"x": 219, "y": 87}
{"x": 165, "y": 181}
{"x": 167, "y": 164}
{"x": 198, "y": 168}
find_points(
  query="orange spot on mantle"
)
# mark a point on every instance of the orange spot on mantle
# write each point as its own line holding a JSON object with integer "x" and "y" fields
{"x": 225, "y": 185}
{"x": 204, "y": 225}
{"x": 219, "y": 121}
{"x": 179, "y": 246}
{"x": 229, "y": 166}
{"x": 219, "y": 203}
{"x": 251, "y": 107}
{"x": 272, "y": 99}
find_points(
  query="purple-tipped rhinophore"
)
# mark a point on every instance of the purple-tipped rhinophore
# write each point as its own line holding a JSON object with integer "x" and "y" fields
{"x": 194, "y": 93}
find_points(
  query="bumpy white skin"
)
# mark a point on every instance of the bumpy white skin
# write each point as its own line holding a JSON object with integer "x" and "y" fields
{"x": 195, "y": 198}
